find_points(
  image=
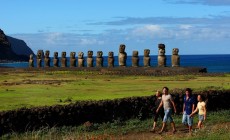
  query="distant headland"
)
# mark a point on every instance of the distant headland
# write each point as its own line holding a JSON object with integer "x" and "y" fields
{"x": 12, "y": 49}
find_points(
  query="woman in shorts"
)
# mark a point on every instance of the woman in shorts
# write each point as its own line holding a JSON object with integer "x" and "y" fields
{"x": 201, "y": 107}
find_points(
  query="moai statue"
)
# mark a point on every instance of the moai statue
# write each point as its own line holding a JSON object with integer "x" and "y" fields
{"x": 31, "y": 61}
{"x": 175, "y": 58}
{"x": 161, "y": 55}
{"x": 135, "y": 59}
{"x": 72, "y": 59}
{"x": 39, "y": 58}
{"x": 122, "y": 56}
{"x": 90, "y": 59}
{"x": 47, "y": 59}
{"x": 99, "y": 59}
{"x": 146, "y": 58}
{"x": 110, "y": 59}
{"x": 80, "y": 59}
{"x": 63, "y": 59}
{"x": 56, "y": 60}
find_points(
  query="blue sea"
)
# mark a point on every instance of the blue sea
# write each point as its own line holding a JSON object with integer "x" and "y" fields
{"x": 213, "y": 63}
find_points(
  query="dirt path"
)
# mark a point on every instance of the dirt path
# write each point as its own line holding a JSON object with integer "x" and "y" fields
{"x": 181, "y": 133}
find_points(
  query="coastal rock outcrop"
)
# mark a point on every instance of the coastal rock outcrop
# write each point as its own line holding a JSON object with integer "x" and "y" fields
{"x": 12, "y": 49}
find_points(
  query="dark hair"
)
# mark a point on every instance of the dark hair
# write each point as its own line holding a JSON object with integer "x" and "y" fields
{"x": 189, "y": 90}
{"x": 166, "y": 88}
{"x": 201, "y": 96}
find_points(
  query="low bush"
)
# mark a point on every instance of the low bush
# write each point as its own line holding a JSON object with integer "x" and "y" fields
{"x": 24, "y": 119}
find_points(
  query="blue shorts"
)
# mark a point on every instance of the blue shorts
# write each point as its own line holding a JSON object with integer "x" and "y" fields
{"x": 201, "y": 118}
{"x": 168, "y": 115}
{"x": 186, "y": 119}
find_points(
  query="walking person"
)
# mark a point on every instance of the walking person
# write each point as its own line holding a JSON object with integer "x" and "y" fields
{"x": 168, "y": 105}
{"x": 188, "y": 108}
{"x": 160, "y": 112}
{"x": 201, "y": 107}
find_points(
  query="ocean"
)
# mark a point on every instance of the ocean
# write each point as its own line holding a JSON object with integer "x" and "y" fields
{"x": 213, "y": 63}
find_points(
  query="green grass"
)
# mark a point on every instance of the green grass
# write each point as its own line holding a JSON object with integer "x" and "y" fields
{"x": 20, "y": 89}
{"x": 217, "y": 126}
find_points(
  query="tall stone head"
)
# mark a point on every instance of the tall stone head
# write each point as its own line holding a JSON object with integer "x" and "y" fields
{"x": 63, "y": 60}
{"x": 31, "y": 60}
{"x": 90, "y": 59}
{"x": 146, "y": 52}
{"x": 56, "y": 55}
{"x": 110, "y": 54}
{"x": 90, "y": 54}
{"x": 72, "y": 55}
{"x": 72, "y": 59}
{"x": 99, "y": 54}
{"x": 47, "y": 54}
{"x": 55, "y": 59}
{"x": 63, "y": 55}
{"x": 80, "y": 59}
{"x": 80, "y": 55}
{"x": 39, "y": 54}
{"x": 111, "y": 59}
{"x": 175, "y": 51}
{"x": 99, "y": 59}
{"x": 161, "y": 49}
{"x": 122, "y": 56}
{"x": 135, "y": 53}
{"x": 31, "y": 56}
{"x": 175, "y": 58}
{"x": 122, "y": 48}
{"x": 135, "y": 59}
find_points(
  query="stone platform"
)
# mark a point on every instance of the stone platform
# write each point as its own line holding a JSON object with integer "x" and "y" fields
{"x": 147, "y": 71}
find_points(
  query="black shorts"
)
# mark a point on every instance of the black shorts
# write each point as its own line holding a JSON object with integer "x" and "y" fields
{"x": 160, "y": 113}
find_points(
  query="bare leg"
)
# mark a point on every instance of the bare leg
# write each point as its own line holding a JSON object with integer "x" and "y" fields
{"x": 163, "y": 127}
{"x": 190, "y": 129}
{"x": 173, "y": 126}
{"x": 199, "y": 124}
{"x": 154, "y": 126}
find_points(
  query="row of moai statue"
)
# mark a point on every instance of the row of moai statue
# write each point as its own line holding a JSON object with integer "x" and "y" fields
{"x": 122, "y": 58}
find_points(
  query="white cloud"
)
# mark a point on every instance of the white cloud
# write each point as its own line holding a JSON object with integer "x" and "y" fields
{"x": 185, "y": 26}
{"x": 85, "y": 41}
{"x": 52, "y": 38}
{"x": 147, "y": 30}
{"x": 139, "y": 37}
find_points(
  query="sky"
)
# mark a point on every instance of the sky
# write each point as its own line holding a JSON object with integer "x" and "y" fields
{"x": 193, "y": 26}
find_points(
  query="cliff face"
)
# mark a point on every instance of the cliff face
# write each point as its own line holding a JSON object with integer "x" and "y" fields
{"x": 12, "y": 49}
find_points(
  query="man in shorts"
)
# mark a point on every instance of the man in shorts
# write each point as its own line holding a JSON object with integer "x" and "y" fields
{"x": 188, "y": 108}
{"x": 168, "y": 103}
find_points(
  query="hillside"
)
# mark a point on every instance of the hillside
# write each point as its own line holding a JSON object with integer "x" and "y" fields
{"x": 12, "y": 49}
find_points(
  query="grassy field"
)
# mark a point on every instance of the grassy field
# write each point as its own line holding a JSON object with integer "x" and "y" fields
{"x": 29, "y": 89}
{"x": 217, "y": 126}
